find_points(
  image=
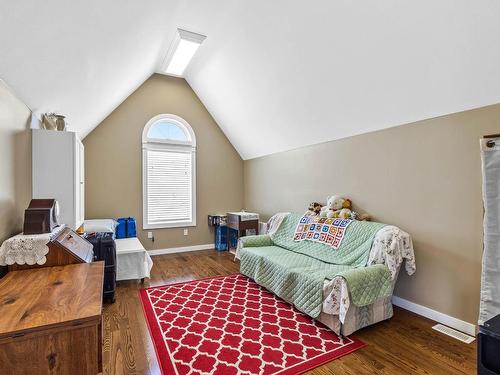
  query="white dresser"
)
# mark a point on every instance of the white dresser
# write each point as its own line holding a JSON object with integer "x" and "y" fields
{"x": 58, "y": 172}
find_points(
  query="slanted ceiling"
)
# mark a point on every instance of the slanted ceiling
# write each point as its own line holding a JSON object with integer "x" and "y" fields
{"x": 275, "y": 75}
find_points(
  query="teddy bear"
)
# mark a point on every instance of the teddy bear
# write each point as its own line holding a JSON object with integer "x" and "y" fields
{"x": 337, "y": 207}
{"x": 314, "y": 209}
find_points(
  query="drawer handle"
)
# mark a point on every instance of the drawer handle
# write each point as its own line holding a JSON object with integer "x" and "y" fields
{"x": 16, "y": 335}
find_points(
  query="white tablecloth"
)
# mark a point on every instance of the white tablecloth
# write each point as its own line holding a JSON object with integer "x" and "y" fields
{"x": 132, "y": 260}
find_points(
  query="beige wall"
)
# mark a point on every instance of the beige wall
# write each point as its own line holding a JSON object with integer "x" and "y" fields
{"x": 424, "y": 177}
{"x": 114, "y": 161}
{"x": 15, "y": 161}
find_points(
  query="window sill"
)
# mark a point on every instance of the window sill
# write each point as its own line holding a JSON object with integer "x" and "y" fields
{"x": 169, "y": 225}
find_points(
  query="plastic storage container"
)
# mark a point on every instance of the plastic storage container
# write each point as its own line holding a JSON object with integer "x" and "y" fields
{"x": 221, "y": 237}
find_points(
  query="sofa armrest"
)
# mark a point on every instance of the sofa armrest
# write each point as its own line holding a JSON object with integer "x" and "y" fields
{"x": 256, "y": 241}
{"x": 368, "y": 284}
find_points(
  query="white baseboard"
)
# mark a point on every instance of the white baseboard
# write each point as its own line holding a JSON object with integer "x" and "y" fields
{"x": 183, "y": 249}
{"x": 437, "y": 316}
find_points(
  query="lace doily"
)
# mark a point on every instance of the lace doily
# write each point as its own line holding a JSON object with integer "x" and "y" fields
{"x": 26, "y": 249}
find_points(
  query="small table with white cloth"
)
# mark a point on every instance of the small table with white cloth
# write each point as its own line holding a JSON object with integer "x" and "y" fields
{"x": 132, "y": 260}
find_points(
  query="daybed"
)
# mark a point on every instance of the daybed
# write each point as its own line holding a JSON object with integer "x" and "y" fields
{"x": 346, "y": 288}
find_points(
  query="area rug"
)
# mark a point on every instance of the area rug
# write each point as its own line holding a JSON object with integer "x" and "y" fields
{"x": 230, "y": 325}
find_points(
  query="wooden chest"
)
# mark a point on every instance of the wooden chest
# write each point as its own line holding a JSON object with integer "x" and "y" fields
{"x": 51, "y": 320}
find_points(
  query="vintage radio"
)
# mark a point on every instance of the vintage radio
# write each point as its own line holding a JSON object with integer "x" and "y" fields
{"x": 41, "y": 216}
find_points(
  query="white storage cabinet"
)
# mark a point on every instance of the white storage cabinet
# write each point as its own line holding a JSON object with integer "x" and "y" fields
{"x": 58, "y": 172}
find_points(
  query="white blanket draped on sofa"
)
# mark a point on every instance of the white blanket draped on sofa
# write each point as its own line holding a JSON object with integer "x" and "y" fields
{"x": 391, "y": 246}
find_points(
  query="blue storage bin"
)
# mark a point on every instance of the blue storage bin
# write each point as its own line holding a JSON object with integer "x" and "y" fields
{"x": 220, "y": 238}
{"x": 126, "y": 227}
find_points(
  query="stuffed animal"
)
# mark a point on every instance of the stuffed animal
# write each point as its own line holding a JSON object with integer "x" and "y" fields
{"x": 337, "y": 207}
{"x": 314, "y": 209}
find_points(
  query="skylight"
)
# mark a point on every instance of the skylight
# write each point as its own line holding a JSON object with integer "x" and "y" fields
{"x": 182, "y": 50}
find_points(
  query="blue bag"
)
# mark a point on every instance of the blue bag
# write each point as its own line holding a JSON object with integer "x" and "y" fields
{"x": 126, "y": 227}
{"x": 131, "y": 228}
{"x": 121, "y": 228}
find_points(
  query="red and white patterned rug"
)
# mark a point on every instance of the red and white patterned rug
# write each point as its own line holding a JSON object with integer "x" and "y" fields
{"x": 230, "y": 325}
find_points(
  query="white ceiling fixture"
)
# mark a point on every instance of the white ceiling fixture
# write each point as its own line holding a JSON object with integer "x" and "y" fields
{"x": 182, "y": 50}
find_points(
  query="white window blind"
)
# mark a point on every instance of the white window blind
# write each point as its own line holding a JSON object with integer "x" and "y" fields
{"x": 169, "y": 187}
{"x": 168, "y": 173}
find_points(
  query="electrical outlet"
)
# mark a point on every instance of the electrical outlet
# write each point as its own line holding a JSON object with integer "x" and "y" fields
{"x": 150, "y": 234}
{"x": 186, "y": 232}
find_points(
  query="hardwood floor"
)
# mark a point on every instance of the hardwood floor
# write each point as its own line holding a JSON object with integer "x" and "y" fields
{"x": 405, "y": 344}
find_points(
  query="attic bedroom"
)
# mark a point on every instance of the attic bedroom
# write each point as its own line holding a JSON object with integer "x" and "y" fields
{"x": 192, "y": 187}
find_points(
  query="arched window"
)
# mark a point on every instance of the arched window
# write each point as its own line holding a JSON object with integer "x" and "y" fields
{"x": 169, "y": 173}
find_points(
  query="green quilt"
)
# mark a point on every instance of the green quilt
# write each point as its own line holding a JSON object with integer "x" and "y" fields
{"x": 295, "y": 271}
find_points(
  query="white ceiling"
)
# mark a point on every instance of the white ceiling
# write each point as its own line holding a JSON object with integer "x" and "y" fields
{"x": 81, "y": 58}
{"x": 275, "y": 75}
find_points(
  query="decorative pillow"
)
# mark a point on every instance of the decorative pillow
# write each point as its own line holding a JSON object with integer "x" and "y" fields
{"x": 99, "y": 225}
